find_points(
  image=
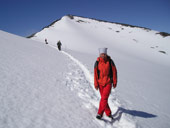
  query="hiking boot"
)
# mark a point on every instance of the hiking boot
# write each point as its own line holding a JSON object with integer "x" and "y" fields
{"x": 98, "y": 116}
{"x": 110, "y": 117}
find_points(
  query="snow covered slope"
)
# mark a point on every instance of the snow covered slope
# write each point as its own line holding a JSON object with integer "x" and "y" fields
{"x": 33, "y": 90}
{"x": 42, "y": 87}
{"x": 141, "y": 56}
{"x": 78, "y": 33}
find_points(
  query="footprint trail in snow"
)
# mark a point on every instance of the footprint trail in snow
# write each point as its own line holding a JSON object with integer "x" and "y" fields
{"x": 80, "y": 80}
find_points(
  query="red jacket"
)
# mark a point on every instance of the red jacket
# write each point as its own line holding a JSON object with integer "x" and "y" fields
{"x": 103, "y": 75}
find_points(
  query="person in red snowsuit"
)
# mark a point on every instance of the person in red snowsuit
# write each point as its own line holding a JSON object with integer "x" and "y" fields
{"x": 105, "y": 74}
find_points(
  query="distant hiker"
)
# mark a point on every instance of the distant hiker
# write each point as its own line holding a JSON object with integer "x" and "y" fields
{"x": 59, "y": 45}
{"x": 105, "y": 74}
{"x": 46, "y": 41}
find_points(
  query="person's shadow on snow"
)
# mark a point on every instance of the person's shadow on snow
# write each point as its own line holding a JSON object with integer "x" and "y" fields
{"x": 117, "y": 116}
{"x": 120, "y": 111}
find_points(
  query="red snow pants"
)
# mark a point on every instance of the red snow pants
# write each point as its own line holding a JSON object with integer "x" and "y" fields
{"x": 103, "y": 106}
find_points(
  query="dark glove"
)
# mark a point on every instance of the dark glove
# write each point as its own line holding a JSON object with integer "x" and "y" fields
{"x": 97, "y": 87}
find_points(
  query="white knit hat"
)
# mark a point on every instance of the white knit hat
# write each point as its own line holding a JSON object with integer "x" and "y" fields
{"x": 102, "y": 50}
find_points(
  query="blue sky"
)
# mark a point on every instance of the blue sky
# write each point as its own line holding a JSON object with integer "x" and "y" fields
{"x": 24, "y": 17}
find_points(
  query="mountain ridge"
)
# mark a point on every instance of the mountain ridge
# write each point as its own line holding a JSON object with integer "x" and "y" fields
{"x": 163, "y": 34}
{"x": 75, "y": 32}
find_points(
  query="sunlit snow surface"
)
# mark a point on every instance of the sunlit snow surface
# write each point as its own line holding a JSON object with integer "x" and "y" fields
{"x": 43, "y": 87}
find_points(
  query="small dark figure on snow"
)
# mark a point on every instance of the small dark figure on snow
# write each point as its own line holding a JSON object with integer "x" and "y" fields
{"x": 59, "y": 45}
{"x": 46, "y": 41}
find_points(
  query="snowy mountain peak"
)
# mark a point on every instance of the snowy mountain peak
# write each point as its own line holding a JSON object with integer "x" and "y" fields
{"x": 84, "y": 18}
{"x": 80, "y": 19}
{"x": 76, "y": 33}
